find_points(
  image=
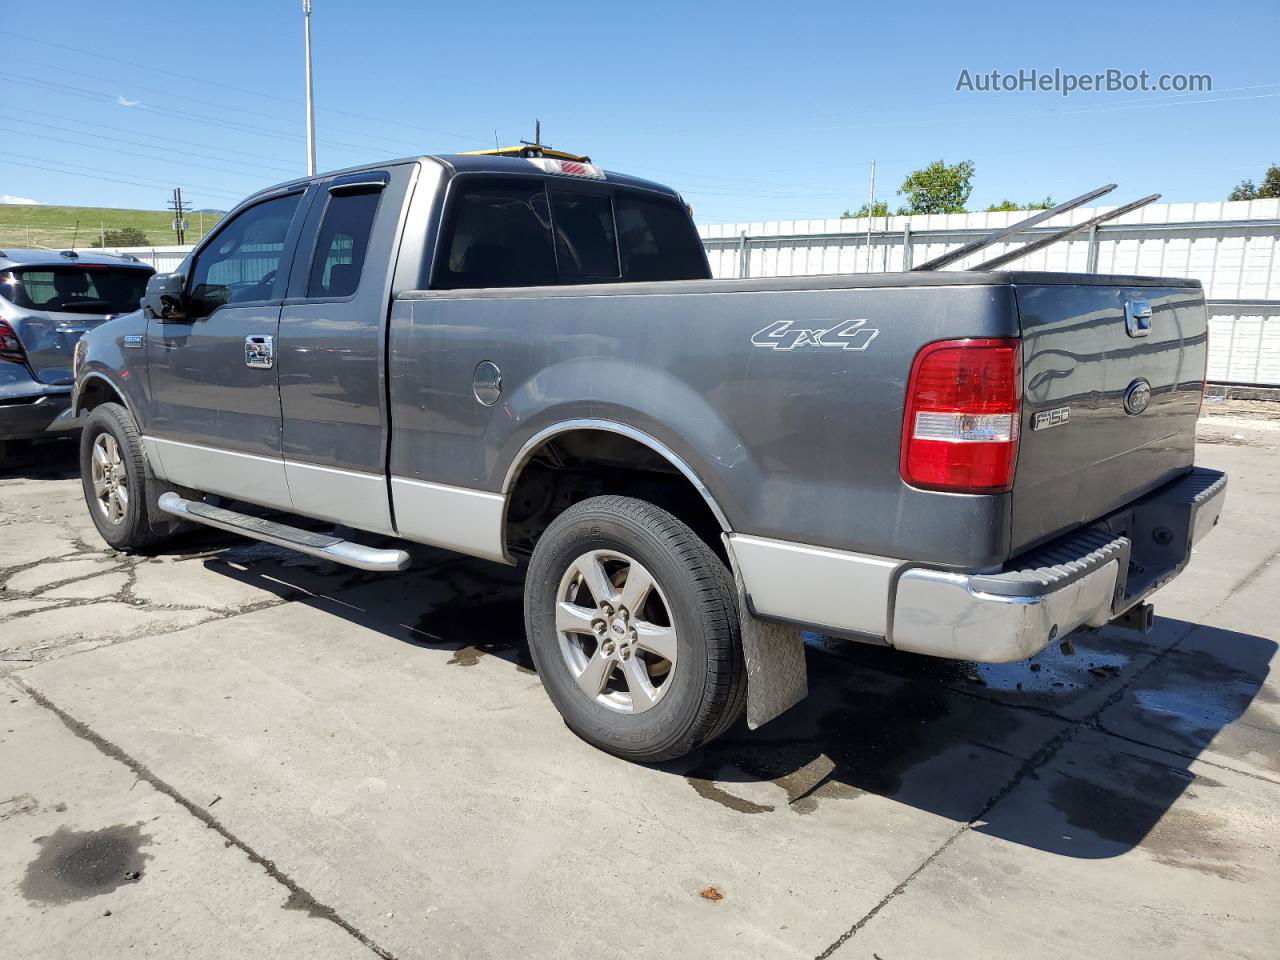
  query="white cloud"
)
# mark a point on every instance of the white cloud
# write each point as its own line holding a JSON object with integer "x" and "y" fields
{"x": 9, "y": 198}
{"x": 126, "y": 102}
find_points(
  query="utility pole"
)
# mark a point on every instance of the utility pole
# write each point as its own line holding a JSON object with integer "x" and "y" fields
{"x": 179, "y": 208}
{"x": 871, "y": 206}
{"x": 311, "y": 112}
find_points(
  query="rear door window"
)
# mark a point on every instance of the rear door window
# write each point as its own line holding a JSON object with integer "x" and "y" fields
{"x": 500, "y": 237}
{"x": 342, "y": 243}
{"x": 657, "y": 240}
{"x": 586, "y": 248}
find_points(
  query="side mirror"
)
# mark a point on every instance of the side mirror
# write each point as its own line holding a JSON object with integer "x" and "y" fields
{"x": 165, "y": 299}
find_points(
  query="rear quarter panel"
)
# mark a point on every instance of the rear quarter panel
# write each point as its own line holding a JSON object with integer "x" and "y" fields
{"x": 798, "y": 444}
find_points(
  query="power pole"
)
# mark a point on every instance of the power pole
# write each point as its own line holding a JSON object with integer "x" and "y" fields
{"x": 179, "y": 209}
{"x": 311, "y": 113}
{"x": 871, "y": 206}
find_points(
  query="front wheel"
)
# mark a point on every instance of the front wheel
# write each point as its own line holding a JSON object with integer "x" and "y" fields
{"x": 633, "y": 626}
{"x": 114, "y": 474}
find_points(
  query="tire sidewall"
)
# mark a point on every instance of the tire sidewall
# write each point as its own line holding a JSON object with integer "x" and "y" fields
{"x": 134, "y": 527}
{"x": 676, "y": 713}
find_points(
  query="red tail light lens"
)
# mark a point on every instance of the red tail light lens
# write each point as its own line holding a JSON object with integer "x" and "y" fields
{"x": 10, "y": 345}
{"x": 964, "y": 404}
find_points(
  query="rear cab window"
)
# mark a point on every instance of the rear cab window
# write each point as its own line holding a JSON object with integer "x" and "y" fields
{"x": 75, "y": 288}
{"x": 518, "y": 232}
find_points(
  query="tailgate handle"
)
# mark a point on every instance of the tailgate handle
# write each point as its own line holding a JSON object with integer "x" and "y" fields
{"x": 1137, "y": 318}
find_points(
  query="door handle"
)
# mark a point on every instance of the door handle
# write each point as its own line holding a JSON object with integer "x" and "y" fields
{"x": 260, "y": 351}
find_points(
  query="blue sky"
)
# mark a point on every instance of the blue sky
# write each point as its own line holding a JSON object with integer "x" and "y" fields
{"x": 753, "y": 110}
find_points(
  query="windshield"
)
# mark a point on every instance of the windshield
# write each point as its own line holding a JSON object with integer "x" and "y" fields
{"x": 75, "y": 288}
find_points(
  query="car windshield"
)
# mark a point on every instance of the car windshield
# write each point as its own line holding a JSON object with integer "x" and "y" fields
{"x": 75, "y": 288}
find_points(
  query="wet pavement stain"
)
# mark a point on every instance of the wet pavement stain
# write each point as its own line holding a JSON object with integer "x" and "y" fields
{"x": 75, "y": 865}
{"x": 476, "y": 603}
{"x": 1146, "y": 817}
{"x": 874, "y": 736}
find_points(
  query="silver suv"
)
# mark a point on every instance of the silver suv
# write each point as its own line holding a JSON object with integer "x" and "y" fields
{"x": 48, "y": 299}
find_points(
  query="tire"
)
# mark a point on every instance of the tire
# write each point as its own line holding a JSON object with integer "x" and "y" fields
{"x": 112, "y": 434}
{"x": 605, "y": 667}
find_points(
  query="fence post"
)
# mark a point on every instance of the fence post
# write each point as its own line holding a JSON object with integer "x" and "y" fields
{"x": 1091, "y": 263}
{"x": 744, "y": 256}
{"x": 906, "y": 246}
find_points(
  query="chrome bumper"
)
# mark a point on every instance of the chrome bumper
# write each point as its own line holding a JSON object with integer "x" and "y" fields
{"x": 1084, "y": 579}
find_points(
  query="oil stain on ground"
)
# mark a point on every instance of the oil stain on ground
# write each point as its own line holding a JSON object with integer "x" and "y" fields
{"x": 74, "y": 865}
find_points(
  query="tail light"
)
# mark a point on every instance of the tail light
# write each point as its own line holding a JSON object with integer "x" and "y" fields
{"x": 10, "y": 346}
{"x": 964, "y": 404}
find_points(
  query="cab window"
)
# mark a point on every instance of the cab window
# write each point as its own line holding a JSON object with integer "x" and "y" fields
{"x": 500, "y": 237}
{"x": 342, "y": 244}
{"x": 586, "y": 249}
{"x": 657, "y": 239}
{"x": 242, "y": 262}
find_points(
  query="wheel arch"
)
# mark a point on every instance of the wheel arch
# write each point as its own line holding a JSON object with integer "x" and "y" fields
{"x": 96, "y": 388}
{"x": 599, "y": 425}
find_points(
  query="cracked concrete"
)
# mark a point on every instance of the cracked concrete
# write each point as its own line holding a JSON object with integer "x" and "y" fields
{"x": 311, "y": 766}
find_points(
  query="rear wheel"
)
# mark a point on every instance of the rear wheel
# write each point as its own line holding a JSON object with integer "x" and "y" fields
{"x": 633, "y": 625}
{"x": 115, "y": 477}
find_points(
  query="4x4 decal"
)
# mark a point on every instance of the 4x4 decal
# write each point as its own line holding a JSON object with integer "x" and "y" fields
{"x": 842, "y": 335}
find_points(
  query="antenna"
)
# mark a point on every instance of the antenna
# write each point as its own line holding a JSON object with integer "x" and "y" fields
{"x": 75, "y": 234}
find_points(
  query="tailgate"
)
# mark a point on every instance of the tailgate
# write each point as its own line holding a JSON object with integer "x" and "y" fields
{"x": 1110, "y": 402}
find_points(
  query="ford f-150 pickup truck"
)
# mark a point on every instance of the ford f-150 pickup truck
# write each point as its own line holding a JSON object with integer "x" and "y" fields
{"x": 525, "y": 359}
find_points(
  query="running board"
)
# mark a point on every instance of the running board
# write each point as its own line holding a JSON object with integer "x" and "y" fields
{"x": 282, "y": 535}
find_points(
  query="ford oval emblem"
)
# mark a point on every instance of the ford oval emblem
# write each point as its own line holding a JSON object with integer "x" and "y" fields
{"x": 1137, "y": 396}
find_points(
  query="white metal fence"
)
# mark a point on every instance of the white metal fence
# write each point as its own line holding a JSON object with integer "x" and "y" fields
{"x": 1232, "y": 248}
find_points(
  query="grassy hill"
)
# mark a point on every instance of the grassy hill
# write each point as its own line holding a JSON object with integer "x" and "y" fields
{"x": 24, "y": 225}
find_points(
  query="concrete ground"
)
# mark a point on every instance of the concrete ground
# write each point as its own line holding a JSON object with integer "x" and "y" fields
{"x": 228, "y": 751}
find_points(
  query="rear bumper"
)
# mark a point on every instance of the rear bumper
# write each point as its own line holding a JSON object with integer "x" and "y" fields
{"x": 23, "y": 418}
{"x": 1084, "y": 579}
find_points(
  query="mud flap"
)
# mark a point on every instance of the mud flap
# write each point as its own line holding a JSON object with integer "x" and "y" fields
{"x": 777, "y": 678}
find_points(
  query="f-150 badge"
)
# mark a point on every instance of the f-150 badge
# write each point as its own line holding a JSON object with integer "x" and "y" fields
{"x": 790, "y": 335}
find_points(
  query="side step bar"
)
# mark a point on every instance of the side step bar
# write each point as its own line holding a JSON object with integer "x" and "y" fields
{"x": 282, "y": 535}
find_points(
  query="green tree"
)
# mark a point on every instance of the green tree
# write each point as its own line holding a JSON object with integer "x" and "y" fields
{"x": 881, "y": 209}
{"x": 124, "y": 237}
{"x": 1245, "y": 190}
{"x": 1007, "y": 206}
{"x": 938, "y": 188}
{"x": 1270, "y": 188}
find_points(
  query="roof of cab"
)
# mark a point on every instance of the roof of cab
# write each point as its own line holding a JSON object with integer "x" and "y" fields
{"x": 14, "y": 257}
{"x": 467, "y": 163}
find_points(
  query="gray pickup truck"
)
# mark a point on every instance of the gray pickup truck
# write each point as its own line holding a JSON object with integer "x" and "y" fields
{"x": 526, "y": 360}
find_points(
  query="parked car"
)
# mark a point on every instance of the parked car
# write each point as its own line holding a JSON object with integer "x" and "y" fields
{"x": 525, "y": 359}
{"x": 48, "y": 299}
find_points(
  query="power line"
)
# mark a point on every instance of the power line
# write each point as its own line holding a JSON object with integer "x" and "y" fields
{"x": 150, "y": 68}
{"x": 147, "y": 156}
{"x": 65, "y": 88}
{"x": 42, "y": 163}
{"x": 136, "y": 133}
